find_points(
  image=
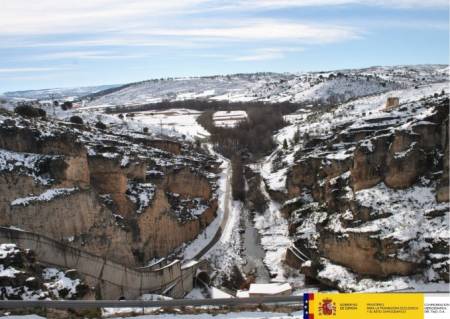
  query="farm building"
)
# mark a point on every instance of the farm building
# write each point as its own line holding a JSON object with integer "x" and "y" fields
{"x": 229, "y": 118}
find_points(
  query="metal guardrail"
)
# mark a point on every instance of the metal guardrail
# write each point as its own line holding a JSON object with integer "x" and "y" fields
{"x": 86, "y": 304}
{"x": 90, "y": 304}
{"x": 298, "y": 254}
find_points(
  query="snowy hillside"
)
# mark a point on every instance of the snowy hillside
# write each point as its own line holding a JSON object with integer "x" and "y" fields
{"x": 333, "y": 86}
{"x": 57, "y": 93}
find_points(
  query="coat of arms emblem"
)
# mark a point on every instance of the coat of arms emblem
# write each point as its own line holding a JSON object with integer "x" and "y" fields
{"x": 327, "y": 307}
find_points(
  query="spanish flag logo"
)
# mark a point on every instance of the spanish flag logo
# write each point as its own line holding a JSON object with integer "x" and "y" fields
{"x": 363, "y": 306}
{"x": 308, "y": 306}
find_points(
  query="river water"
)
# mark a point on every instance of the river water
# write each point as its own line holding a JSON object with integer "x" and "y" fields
{"x": 253, "y": 251}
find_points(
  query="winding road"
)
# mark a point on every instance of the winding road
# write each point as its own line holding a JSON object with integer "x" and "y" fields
{"x": 226, "y": 215}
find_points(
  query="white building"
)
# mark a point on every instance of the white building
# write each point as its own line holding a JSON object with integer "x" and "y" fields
{"x": 262, "y": 290}
{"x": 229, "y": 118}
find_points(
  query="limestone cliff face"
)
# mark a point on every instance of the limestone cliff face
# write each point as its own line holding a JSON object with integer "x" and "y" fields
{"x": 76, "y": 171}
{"x": 174, "y": 230}
{"x": 168, "y": 146}
{"x": 365, "y": 255}
{"x": 442, "y": 191}
{"x": 77, "y": 218}
{"x": 368, "y": 162}
{"x": 302, "y": 174}
{"x": 14, "y": 186}
{"x": 108, "y": 178}
{"x": 69, "y": 168}
{"x": 92, "y": 190}
{"x": 171, "y": 232}
{"x": 350, "y": 200}
{"x": 188, "y": 184}
{"x": 404, "y": 168}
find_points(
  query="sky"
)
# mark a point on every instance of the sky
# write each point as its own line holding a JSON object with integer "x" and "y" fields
{"x": 70, "y": 43}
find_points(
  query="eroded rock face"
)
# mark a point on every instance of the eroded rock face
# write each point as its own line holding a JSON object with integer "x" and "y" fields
{"x": 405, "y": 167}
{"x": 76, "y": 172}
{"x": 368, "y": 162}
{"x": 91, "y": 189}
{"x": 302, "y": 174}
{"x": 168, "y": 146}
{"x": 365, "y": 255}
{"x": 69, "y": 166}
{"x": 108, "y": 178}
{"x": 372, "y": 188}
{"x": 136, "y": 171}
{"x": 73, "y": 218}
{"x": 442, "y": 191}
{"x": 171, "y": 232}
{"x": 23, "y": 186}
{"x": 188, "y": 184}
{"x": 332, "y": 168}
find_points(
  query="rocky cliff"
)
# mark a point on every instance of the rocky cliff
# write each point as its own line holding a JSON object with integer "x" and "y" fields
{"x": 367, "y": 196}
{"x": 110, "y": 194}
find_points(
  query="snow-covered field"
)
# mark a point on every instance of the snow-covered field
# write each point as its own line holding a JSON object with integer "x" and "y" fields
{"x": 183, "y": 121}
{"x": 57, "y": 93}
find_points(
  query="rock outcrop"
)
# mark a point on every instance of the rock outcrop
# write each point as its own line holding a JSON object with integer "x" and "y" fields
{"x": 23, "y": 278}
{"x": 372, "y": 198}
{"x": 105, "y": 193}
{"x": 364, "y": 255}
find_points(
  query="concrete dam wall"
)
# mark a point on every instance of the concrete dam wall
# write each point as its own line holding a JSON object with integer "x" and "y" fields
{"x": 111, "y": 280}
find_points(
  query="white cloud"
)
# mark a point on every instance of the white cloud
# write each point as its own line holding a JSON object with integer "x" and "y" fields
{"x": 275, "y": 4}
{"x": 264, "y": 30}
{"x": 29, "y": 69}
{"x": 261, "y": 56}
{"x": 408, "y": 3}
{"x": 59, "y": 17}
{"x": 106, "y": 41}
{"x": 267, "y": 54}
{"x": 203, "y": 34}
{"x": 95, "y": 16}
{"x": 86, "y": 55}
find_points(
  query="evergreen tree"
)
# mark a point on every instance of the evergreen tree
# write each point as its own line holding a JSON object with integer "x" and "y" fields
{"x": 296, "y": 137}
